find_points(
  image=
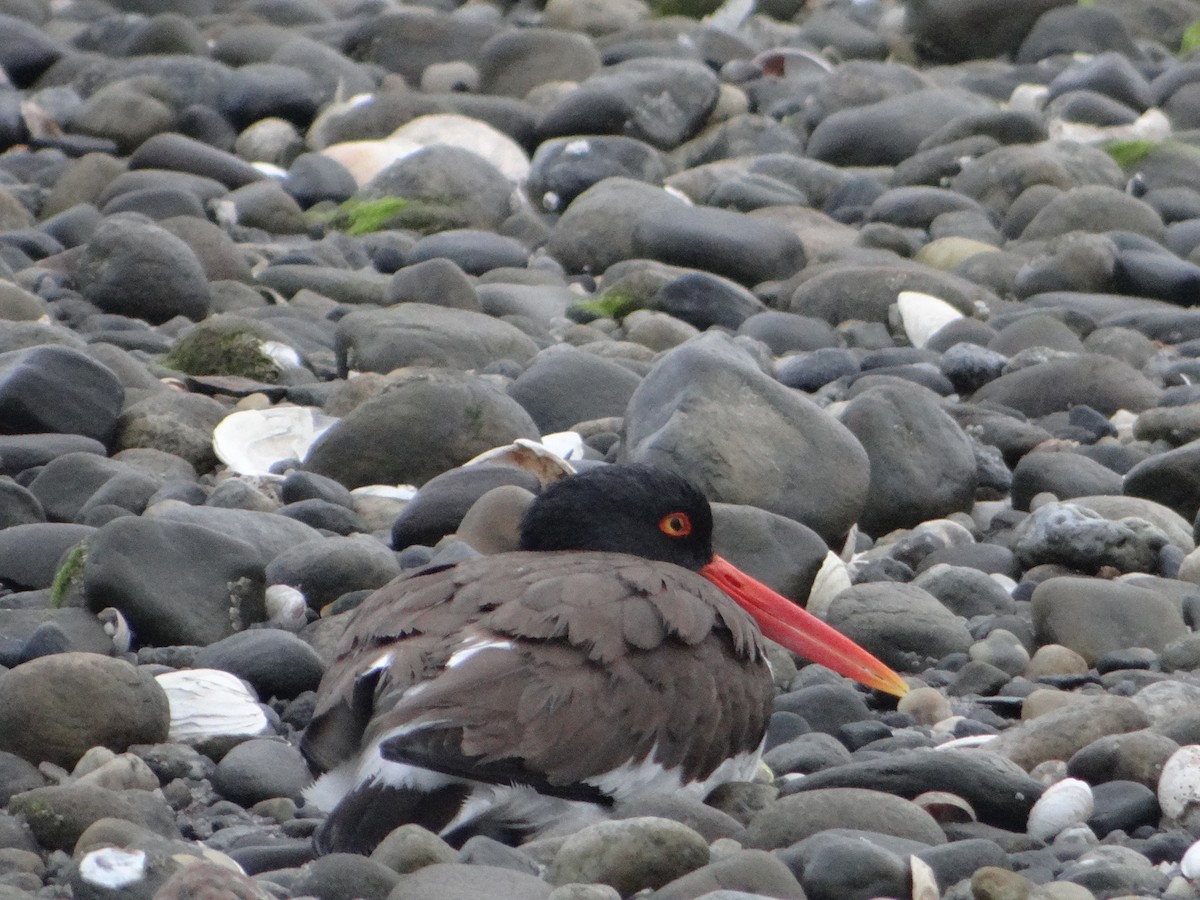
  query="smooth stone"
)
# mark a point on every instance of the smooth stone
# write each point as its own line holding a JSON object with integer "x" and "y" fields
{"x": 19, "y": 452}
{"x": 59, "y": 814}
{"x": 826, "y": 493}
{"x": 439, "y": 507}
{"x": 1137, "y": 756}
{"x": 513, "y": 63}
{"x": 1074, "y": 536}
{"x": 324, "y": 569}
{"x": 1163, "y": 276}
{"x": 922, "y": 463}
{"x": 455, "y": 881}
{"x": 751, "y": 872}
{"x": 825, "y": 707}
{"x": 313, "y": 177}
{"x": 629, "y": 854}
{"x": 445, "y": 184}
{"x": 348, "y": 876}
{"x": 563, "y": 386}
{"x": 660, "y": 101}
{"x": 1066, "y": 730}
{"x": 30, "y": 554}
{"x": 419, "y": 334}
{"x": 475, "y": 252}
{"x": 1103, "y": 383}
{"x": 1123, "y": 805}
{"x": 966, "y": 592}
{"x": 275, "y": 663}
{"x": 598, "y": 228}
{"x": 1066, "y": 475}
{"x": 785, "y": 332}
{"x": 1094, "y": 616}
{"x": 260, "y": 769}
{"x": 947, "y": 31}
{"x": 356, "y": 287}
{"x": 67, "y": 485}
{"x": 778, "y": 551}
{"x": 215, "y": 580}
{"x": 704, "y": 300}
{"x": 184, "y": 154}
{"x": 210, "y": 879}
{"x": 999, "y": 791}
{"x": 793, "y": 818}
{"x": 18, "y": 506}
{"x": 268, "y": 534}
{"x": 563, "y": 168}
{"x": 809, "y": 372}
{"x": 1177, "y": 425}
{"x": 57, "y": 707}
{"x": 803, "y": 754}
{"x": 1170, "y": 479}
{"x": 439, "y": 281}
{"x": 901, "y": 624}
{"x": 428, "y": 421}
{"x": 842, "y": 293}
{"x": 61, "y": 390}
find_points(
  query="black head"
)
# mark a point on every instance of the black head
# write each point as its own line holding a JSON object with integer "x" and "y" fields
{"x": 640, "y": 510}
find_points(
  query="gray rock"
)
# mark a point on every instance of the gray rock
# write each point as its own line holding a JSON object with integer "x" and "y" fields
{"x": 922, "y": 463}
{"x": 1169, "y": 478}
{"x": 751, "y": 872}
{"x": 446, "y": 185}
{"x": 1074, "y": 536}
{"x": 60, "y": 390}
{"x": 411, "y": 847}
{"x": 424, "y": 423}
{"x": 835, "y": 866}
{"x": 704, "y": 300}
{"x": 842, "y": 293}
{"x": 901, "y": 624}
{"x": 55, "y": 708}
{"x": 999, "y": 791}
{"x": 200, "y": 879}
{"x": 68, "y": 483}
{"x": 174, "y": 423}
{"x": 1095, "y": 616}
{"x": 18, "y": 506}
{"x": 440, "y": 505}
{"x": 275, "y": 663}
{"x": 563, "y": 168}
{"x": 269, "y": 534}
{"x": 1061, "y": 733}
{"x": 142, "y": 271}
{"x": 514, "y": 62}
{"x": 794, "y": 818}
{"x": 439, "y": 282}
{"x": 59, "y": 814}
{"x": 1101, "y": 382}
{"x": 461, "y": 882}
{"x": 660, "y": 101}
{"x": 998, "y": 178}
{"x": 1136, "y": 756}
{"x": 31, "y": 554}
{"x": 260, "y": 769}
{"x": 966, "y": 592}
{"x": 1165, "y": 703}
{"x": 407, "y": 41}
{"x": 629, "y": 854}
{"x": 325, "y": 569}
{"x": 356, "y": 287}
{"x": 175, "y": 582}
{"x": 778, "y": 551}
{"x": 946, "y": 31}
{"x": 419, "y": 334}
{"x": 746, "y": 438}
{"x": 564, "y": 386}
{"x": 1094, "y": 208}
{"x": 1066, "y": 475}
{"x": 1075, "y": 30}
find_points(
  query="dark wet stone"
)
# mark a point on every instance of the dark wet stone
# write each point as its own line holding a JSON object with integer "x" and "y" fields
{"x": 1075, "y": 30}
{"x": 564, "y": 386}
{"x": 1066, "y": 475}
{"x": 418, "y": 334}
{"x": 275, "y": 663}
{"x": 563, "y": 168}
{"x": 903, "y": 625}
{"x": 475, "y": 252}
{"x": 57, "y": 707}
{"x": 261, "y": 90}
{"x": 825, "y": 494}
{"x": 425, "y": 423}
{"x": 928, "y": 473}
{"x": 1137, "y": 756}
{"x": 832, "y": 866}
{"x": 313, "y": 177}
{"x": 826, "y": 707}
{"x": 659, "y": 101}
{"x": 1169, "y": 478}
{"x": 514, "y": 62}
{"x": 809, "y": 372}
{"x": 970, "y": 366}
{"x": 440, "y": 504}
{"x": 179, "y": 153}
{"x": 968, "y": 592}
{"x": 260, "y": 769}
{"x": 215, "y": 581}
{"x": 1101, "y": 382}
{"x": 889, "y": 131}
{"x": 786, "y": 332}
{"x": 744, "y": 249}
{"x": 945, "y": 31}
{"x": 1162, "y": 276}
{"x": 803, "y": 753}
{"x": 776, "y": 550}
{"x": 704, "y": 300}
{"x": 30, "y": 554}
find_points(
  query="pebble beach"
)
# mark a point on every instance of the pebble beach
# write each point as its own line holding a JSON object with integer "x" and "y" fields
{"x": 910, "y": 290}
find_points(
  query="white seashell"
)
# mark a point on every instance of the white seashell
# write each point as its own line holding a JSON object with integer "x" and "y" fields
{"x": 1152, "y": 125}
{"x": 945, "y": 807}
{"x": 207, "y": 703}
{"x": 404, "y": 492}
{"x": 1064, "y": 804}
{"x": 523, "y": 453}
{"x": 281, "y": 353}
{"x": 965, "y": 743}
{"x": 116, "y": 628}
{"x": 924, "y": 882}
{"x": 286, "y": 607}
{"x": 923, "y": 315}
{"x": 1028, "y": 97}
{"x": 113, "y": 868}
{"x": 832, "y": 578}
{"x": 1179, "y": 784}
{"x": 1190, "y": 864}
{"x": 252, "y": 440}
{"x": 565, "y": 444}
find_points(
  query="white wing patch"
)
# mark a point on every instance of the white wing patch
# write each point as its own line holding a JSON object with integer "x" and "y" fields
{"x": 474, "y": 644}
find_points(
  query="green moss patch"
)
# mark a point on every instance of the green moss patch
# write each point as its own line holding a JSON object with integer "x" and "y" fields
{"x": 216, "y": 350}
{"x": 1130, "y": 153}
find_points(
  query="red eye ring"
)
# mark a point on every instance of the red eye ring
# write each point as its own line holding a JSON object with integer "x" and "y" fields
{"x": 676, "y": 524}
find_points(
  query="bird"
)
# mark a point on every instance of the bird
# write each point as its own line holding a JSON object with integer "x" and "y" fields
{"x": 613, "y": 653}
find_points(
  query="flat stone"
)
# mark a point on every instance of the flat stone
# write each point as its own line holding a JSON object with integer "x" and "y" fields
{"x": 794, "y": 818}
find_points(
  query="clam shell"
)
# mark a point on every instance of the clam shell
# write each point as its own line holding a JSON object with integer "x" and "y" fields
{"x": 924, "y": 881}
{"x": 547, "y": 464}
{"x": 945, "y": 807}
{"x": 1190, "y": 864}
{"x": 1065, "y": 803}
{"x": 923, "y": 315}
{"x": 832, "y": 578}
{"x": 1179, "y": 784}
{"x": 207, "y": 703}
{"x": 286, "y": 607}
{"x": 252, "y": 440}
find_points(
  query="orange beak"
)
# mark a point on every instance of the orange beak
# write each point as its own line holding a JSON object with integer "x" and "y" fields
{"x": 801, "y": 632}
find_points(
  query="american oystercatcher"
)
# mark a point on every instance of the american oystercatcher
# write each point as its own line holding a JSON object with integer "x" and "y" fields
{"x": 613, "y": 654}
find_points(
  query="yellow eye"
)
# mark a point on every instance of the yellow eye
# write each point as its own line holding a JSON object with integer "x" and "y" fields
{"x": 675, "y": 524}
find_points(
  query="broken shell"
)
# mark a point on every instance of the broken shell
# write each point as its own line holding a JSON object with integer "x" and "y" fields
{"x": 923, "y": 315}
{"x": 286, "y": 607}
{"x": 1065, "y": 803}
{"x": 208, "y": 703}
{"x": 924, "y": 881}
{"x": 832, "y": 578}
{"x": 1190, "y": 864}
{"x": 1179, "y": 785}
{"x": 251, "y": 441}
{"x": 547, "y": 464}
{"x": 945, "y": 807}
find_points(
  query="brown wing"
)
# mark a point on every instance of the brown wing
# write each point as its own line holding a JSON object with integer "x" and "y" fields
{"x": 596, "y": 654}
